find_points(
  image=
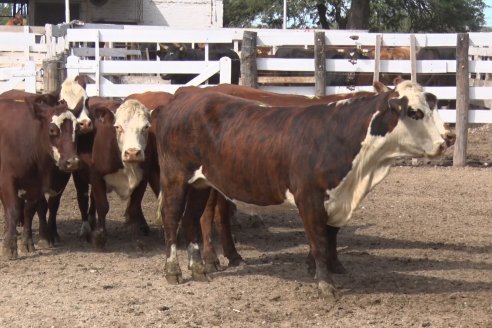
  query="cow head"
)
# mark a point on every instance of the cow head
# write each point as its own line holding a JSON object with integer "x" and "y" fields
{"x": 73, "y": 93}
{"x": 60, "y": 126}
{"x": 419, "y": 131}
{"x": 132, "y": 123}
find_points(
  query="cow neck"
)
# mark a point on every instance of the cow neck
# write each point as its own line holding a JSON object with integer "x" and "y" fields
{"x": 369, "y": 167}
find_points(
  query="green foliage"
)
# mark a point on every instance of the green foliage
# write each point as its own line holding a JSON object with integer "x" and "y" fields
{"x": 385, "y": 15}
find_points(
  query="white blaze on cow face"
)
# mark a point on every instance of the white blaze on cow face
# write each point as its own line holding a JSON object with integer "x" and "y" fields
{"x": 72, "y": 93}
{"x": 132, "y": 123}
{"x": 59, "y": 119}
{"x": 418, "y": 137}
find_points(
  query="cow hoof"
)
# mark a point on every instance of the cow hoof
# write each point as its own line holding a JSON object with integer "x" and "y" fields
{"x": 327, "y": 292}
{"x": 56, "y": 239}
{"x": 27, "y": 245}
{"x": 99, "y": 238}
{"x": 174, "y": 279}
{"x": 337, "y": 268}
{"x": 311, "y": 269}
{"x": 44, "y": 243}
{"x": 237, "y": 260}
{"x": 213, "y": 267}
{"x": 85, "y": 231}
{"x": 10, "y": 249}
{"x": 200, "y": 276}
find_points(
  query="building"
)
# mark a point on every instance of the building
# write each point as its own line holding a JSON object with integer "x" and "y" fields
{"x": 173, "y": 13}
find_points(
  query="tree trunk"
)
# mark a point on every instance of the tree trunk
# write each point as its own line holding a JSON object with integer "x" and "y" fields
{"x": 323, "y": 22}
{"x": 358, "y": 16}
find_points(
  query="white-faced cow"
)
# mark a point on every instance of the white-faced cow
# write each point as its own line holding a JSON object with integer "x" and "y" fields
{"x": 118, "y": 157}
{"x": 34, "y": 137}
{"x": 322, "y": 158}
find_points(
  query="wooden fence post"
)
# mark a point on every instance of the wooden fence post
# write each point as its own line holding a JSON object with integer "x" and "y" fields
{"x": 249, "y": 72}
{"x": 54, "y": 73}
{"x": 462, "y": 99}
{"x": 319, "y": 64}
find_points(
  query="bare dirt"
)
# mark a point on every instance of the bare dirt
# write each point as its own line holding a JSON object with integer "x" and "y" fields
{"x": 418, "y": 251}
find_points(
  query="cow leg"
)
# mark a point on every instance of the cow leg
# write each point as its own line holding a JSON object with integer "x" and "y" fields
{"x": 53, "y": 205}
{"x": 171, "y": 206}
{"x": 44, "y": 232}
{"x": 13, "y": 214}
{"x": 314, "y": 218}
{"x": 334, "y": 265}
{"x": 134, "y": 213}
{"x": 224, "y": 211}
{"x": 81, "y": 183}
{"x": 27, "y": 244}
{"x": 102, "y": 208}
{"x": 210, "y": 258}
{"x": 195, "y": 205}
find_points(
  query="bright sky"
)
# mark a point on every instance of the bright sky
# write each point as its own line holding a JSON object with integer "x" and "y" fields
{"x": 488, "y": 13}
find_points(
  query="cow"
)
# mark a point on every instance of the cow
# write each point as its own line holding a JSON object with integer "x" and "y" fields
{"x": 120, "y": 141}
{"x": 176, "y": 52}
{"x": 218, "y": 209}
{"x": 322, "y": 158}
{"x": 34, "y": 136}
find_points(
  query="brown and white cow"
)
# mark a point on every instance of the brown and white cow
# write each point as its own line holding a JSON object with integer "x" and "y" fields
{"x": 34, "y": 137}
{"x": 118, "y": 154}
{"x": 322, "y": 158}
{"x": 218, "y": 209}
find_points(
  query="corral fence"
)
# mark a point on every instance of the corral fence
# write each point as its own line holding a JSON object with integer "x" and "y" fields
{"x": 122, "y": 59}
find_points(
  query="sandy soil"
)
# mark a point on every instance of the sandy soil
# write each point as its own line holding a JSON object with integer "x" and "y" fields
{"x": 418, "y": 251}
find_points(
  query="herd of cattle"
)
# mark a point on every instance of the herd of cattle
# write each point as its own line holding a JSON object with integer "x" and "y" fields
{"x": 198, "y": 150}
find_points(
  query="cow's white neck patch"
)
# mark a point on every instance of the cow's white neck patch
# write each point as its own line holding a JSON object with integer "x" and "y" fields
{"x": 125, "y": 180}
{"x": 369, "y": 167}
{"x": 59, "y": 119}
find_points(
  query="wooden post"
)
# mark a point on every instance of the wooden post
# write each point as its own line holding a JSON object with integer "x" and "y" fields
{"x": 249, "y": 72}
{"x": 462, "y": 99}
{"x": 319, "y": 64}
{"x": 52, "y": 78}
{"x": 413, "y": 58}
{"x": 377, "y": 58}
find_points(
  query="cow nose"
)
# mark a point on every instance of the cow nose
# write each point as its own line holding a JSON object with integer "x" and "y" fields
{"x": 85, "y": 126}
{"x": 450, "y": 138}
{"x": 132, "y": 154}
{"x": 72, "y": 164}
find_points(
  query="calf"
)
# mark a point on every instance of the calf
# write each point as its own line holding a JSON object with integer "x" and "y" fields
{"x": 118, "y": 155}
{"x": 322, "y": 158}
{"x": 33, "y": 137}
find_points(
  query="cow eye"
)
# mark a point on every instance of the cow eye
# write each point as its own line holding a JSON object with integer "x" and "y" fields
{"x": 415, "y": 114}
{"x": 53, "y": 130}
{"x": 146, "y": 127}
{"x": 118, "y": 128}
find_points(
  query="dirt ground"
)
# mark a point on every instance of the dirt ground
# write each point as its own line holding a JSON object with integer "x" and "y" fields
{"x": 418, "y": 251}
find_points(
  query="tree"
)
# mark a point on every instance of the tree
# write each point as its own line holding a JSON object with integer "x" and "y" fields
{"x": 381, "y": 15}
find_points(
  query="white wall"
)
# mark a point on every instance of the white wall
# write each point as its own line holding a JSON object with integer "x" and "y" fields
{"x": 183, "y": 13}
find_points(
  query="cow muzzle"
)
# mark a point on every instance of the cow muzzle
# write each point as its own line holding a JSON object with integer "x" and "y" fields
{"x": 133, "y": 155}
{"x": 70, "y": 165}
{"x": 85, "y": 126}
{"x": 449, "y": 138}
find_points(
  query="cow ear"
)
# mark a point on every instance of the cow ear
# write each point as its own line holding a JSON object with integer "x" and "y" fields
{"x": 398, "y": 80}
{"x": 81, "y": 80}
{"x": 103, "y": 115}
{"x": 398, "y": 105}
{"x": 380, "y": 87}
{"x": 431, "y": 100}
